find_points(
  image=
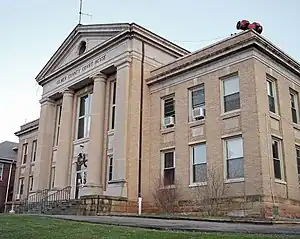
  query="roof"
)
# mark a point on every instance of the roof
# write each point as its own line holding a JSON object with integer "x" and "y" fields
{"x": 28, "y": 127}
{"x": 115, "y": 31}
{"x": 235, "y": 43}
{"x": 8, "y": 151}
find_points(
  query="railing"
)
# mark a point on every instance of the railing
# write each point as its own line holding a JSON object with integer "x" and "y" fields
{"x": 29, "y": 203}
{"x": 57, "y": 197}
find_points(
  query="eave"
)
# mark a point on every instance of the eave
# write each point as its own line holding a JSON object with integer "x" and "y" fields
{"x": 194, "y": 60}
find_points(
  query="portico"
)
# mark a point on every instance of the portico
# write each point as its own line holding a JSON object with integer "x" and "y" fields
{"x": 88, "y": 109}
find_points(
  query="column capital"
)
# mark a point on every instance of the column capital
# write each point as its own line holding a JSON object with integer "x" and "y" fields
{"x": 123, "y": 63}
{"x": 68, "y": 92}
{"x": 99, "y": 77}
{"x": 46, "y": 100}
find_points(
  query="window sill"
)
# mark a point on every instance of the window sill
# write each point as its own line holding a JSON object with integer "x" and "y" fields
{"x": 296, "y": 126}
{"x": 231, "y": 114}
{"x": 197, "y": 184}
{"x": 235, "y": 180}
{"x": 79, "y": 141}
{"x": 110, "y": 132}
{"x": 23, "y": 165}
{"x": 55, "y": 147}
{"x": 274, "y": 116}
{"x": 32, "y": 163}
{"x": 116, "y": 181}
{"x": 167, "y": 187}
{"x": 280, "y": 181}
{"x": 167, "y": 130}
{"x": 196, "y": 122}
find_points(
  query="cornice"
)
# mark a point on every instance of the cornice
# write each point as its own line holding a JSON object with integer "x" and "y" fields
{"x": 26, "y": 131}
{"x": 192, "y": 61}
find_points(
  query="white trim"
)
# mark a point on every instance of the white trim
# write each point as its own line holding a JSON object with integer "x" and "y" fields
{"x": 85, "y": 116}
{"x": 295, "y": 96}
{"x": 229, "y": 180}
{"x": 192, "y": 165}
{"x": 190, "y": 91}
{"x": 163, "y": 164}
{"x": 280, "y": 159}
{"x": 111, "y": 105}
{"x": 231, "y": 76}
{"x": 274, "y": 86}
{"x": 202, "y": 141}
{"x": 2, "y": 171}
{"x": 57, "y": 123}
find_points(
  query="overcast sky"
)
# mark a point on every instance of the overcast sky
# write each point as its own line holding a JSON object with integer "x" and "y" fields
{"x": 32, "y": 30}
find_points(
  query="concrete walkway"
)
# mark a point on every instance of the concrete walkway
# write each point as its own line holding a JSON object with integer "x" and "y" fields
{"x": 187, "y": 225}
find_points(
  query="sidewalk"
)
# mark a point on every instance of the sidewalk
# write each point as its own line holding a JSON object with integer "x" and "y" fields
{"x": 186, "y": 225}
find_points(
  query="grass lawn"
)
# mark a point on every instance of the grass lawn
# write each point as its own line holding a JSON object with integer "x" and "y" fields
{"x": 31, "y": 227}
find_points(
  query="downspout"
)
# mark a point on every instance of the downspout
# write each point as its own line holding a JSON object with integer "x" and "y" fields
{"x": 8, "y": 185}
{"x": 140, "y": 133}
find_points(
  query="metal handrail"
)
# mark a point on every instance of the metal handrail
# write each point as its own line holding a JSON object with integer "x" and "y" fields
{"x": 60, "y": 195}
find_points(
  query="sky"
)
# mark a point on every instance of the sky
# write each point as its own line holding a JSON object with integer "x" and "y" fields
{"x": 32, "y": 30}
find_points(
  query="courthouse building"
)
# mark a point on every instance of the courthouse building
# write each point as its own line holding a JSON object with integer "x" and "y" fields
{"x": 231, "y": 108}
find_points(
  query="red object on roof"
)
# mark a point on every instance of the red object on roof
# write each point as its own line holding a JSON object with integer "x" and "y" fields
{"x": 245, "y": 24}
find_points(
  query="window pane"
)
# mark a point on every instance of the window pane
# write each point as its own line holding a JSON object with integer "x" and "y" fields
{"x": 83, "y": 105}
{"x": 199, "y": 173}
{"x": 199, "y": 154}
{"x": 169, "y": 107}
{"x": 169, "y": 160}
{"x": 275, "y": 149}
{"x": 232, "y": 102}
{"x": 169, "y": 176}
{"x": 294, "y": 115}
{"x": 113, "y": 118}
{"x": 292, "y": 96}
{"x": 234, "y": 148}
{"x": 231, "y": 86}
{"x": 235, "y": 168}
{"x": 270, "y": 88}
{"x": 277, "y": 169}
{"x": 114, "y": 93}
{"x": 80, "y": 133}
{"x": 198, "y": 98}
{"x": 271, "y": 104}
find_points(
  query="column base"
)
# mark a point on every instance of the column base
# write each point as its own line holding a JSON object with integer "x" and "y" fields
{"x": 88, "y": 190}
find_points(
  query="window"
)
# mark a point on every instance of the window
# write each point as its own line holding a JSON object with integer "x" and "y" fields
{"x": 110, "y": 168}
{"x": 271, "y": 95}
{"x": 1, "y": 171}
{"x": 113, "y": 87}
{"x": 30, "y": 186}
{"x": 52, "y": 177}
{"x": 298, "y": 161}
{"x": 277, "y": 159}
{"x": 234, "y": 158}
{"x": 294, "y": 106}
{"x": 197, "y": 103}
{"x": 21, "y": 186}
{"x": 169, "y": 112}
{"x": 84, "y": 116}
{"x": 58, "y": 121}
{"x": 34, "y": 147}
{"x": 82, "y": 48}
{"x": 169, "y": 168}
{"x": 231, "y": 91}
{"x": 24, "y": 153}
{"x": 199, "y": 167}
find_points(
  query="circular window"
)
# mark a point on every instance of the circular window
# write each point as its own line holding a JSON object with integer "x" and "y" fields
{"x": 82, "y": 47}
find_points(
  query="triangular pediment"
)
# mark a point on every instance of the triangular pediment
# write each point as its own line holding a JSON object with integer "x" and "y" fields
{"x": 81, "y": 40}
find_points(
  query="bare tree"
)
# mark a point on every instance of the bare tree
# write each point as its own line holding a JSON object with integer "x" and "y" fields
{"x": 211, "y": 196}
{"x": 165, "y": 197}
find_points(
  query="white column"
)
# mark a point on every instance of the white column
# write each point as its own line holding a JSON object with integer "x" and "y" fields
{"x": 44, "y": 146}
{"x": 94, "y": 184}
{"x": 64, "y": 141}
{"x": 121, "y": 121}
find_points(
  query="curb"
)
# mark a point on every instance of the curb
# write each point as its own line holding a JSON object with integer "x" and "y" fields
{"x": 171, "y": 228}
{"x": 220, "y": 220}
